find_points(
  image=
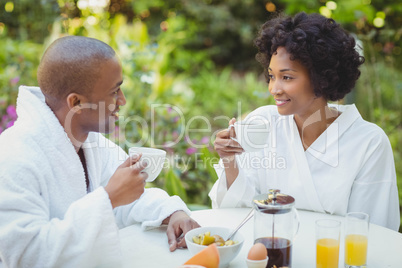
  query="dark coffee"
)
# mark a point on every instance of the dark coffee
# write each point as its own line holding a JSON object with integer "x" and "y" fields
{"x": 279, "y": 251}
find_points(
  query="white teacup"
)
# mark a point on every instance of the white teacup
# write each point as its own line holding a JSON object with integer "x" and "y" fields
{"x": 251, "y": 134}
{"x": 155, "y": 158}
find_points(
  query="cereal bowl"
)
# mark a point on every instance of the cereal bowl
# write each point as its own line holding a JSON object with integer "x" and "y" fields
{"x": 226, "y": 253}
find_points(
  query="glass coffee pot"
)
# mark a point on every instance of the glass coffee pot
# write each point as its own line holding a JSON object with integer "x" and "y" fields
{"x": 276, "y": 223}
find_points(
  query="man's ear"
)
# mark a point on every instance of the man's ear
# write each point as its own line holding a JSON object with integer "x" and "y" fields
{"x": 74, "y": 102}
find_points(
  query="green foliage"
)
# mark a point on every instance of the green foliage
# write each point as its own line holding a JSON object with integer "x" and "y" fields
{"x": 379, "y": 98}
{"x": 295, "y": 6}
{"x": 173, "y": 185}
{"x": 18, "y": 62}
{"x": 27, "y": 20}
{"x": 189, "y": 67}
{"x": 348, "y": 11}
{"x": 17, "y": 59}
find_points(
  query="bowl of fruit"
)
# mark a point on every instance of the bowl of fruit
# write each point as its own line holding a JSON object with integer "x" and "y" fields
{"x": 199, "y": 238}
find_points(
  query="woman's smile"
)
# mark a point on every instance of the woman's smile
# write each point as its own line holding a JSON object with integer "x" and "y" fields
{"x": 281, "y": 102}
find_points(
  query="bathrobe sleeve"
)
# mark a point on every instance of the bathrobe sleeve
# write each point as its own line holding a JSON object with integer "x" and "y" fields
{"x": 151, "y": 208}
{"x": 86, "y": 236}
{"x": 242, "y": 190}
{"x": 374, "y": 190}
{"x": 245, "y": 187}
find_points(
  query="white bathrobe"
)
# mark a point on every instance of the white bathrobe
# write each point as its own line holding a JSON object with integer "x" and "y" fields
{"x": 47, "y": 219}
{"x": 350, "y": 167}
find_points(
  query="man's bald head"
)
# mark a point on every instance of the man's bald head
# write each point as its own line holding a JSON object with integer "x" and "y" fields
{"x": 71, "y": 64}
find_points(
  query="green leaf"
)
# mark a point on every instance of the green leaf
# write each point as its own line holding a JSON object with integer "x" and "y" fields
{"x": 174, "y": 186}
{"x": 208, "y": 159}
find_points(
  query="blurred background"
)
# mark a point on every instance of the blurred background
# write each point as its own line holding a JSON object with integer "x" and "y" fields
{"x": 189, "y": 66}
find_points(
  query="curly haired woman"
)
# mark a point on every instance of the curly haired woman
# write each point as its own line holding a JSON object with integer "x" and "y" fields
{"x": 324, "y": 155}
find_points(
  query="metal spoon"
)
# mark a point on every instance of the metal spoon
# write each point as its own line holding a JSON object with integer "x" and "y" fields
{"x": 249, "y": 215}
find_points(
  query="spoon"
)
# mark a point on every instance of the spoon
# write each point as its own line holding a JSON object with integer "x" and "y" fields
{"x": 249, "y": 215}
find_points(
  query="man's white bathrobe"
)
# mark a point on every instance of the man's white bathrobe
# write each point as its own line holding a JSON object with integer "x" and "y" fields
{"x": 350, "y": 167}
{"x": 47, "y": 219}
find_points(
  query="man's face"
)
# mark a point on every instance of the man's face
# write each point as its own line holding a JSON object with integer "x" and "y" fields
{"x": 105, "y": 99}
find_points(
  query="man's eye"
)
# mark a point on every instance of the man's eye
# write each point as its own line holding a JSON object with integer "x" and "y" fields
{"x": 117, "y": 91}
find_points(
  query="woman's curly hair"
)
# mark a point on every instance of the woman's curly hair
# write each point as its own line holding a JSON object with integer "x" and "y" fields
{"x": 320, "y": 44}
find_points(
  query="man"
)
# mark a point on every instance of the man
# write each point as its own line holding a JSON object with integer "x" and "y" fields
{"x": 64, "y": 190}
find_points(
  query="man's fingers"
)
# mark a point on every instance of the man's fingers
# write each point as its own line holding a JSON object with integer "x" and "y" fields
{"x": 140, "y": 165}
{"x": 189, "y": 225}
{"x": 173, "y": 246}
{"x": 126, "y": 163}
{"x": 171, "y": 239}
{"x": 181, "y": 242}
{"x": 135, "y": 158}
{"x": 131, "y": 160}
{"x": 144, "y": 176}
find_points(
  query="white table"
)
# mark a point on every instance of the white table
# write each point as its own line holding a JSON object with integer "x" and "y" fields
{"x": 149, "y": 249}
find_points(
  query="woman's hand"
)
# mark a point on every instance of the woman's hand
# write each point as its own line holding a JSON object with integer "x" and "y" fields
{"x": 225, "y": 146}
{"x": 227, "y": 149}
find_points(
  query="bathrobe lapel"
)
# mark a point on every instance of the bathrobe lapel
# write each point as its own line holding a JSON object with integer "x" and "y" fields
{"x": 303, "y": 168}
{"x": 318, "y": 151}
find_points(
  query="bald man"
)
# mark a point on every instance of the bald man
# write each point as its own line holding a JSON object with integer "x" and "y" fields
{"x": 64, "y": 188}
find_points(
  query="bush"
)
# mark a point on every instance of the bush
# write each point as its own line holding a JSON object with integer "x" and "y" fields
{"x": 189, "y": 64}
{"x": 18, "y": 62}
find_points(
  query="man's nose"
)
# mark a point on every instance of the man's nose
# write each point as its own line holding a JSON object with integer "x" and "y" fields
{"x": 121, "y": 99}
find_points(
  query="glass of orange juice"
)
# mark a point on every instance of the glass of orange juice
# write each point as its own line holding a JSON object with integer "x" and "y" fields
{"x": 356, "y": 239}
{"x": 327, "y": 243}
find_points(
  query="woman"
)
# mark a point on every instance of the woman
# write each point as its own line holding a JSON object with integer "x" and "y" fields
{"x": 324, "y": 155}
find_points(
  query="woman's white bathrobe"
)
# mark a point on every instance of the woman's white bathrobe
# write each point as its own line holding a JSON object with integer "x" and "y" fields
{"x": 47, "y": 219}
{"x": 350, "y": 167}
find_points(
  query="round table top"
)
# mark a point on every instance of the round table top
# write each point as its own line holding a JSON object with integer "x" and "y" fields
{"x": 149, "y": 248}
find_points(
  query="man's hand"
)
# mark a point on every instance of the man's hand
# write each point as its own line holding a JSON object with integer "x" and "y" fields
{"x": 127, "y": 183}
{"x": 179, "y": 223}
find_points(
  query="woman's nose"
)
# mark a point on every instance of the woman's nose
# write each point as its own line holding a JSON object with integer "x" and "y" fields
{"x": 273, "y": 88}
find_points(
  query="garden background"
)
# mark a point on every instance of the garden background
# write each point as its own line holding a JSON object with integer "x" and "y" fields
{"x": 189, "y": 66}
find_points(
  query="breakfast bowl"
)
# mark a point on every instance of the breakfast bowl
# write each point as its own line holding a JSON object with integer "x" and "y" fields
{"x": 226, "y": 252}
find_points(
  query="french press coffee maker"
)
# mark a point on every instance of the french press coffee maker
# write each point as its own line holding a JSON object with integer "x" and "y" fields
{"x": 276, "y": 223}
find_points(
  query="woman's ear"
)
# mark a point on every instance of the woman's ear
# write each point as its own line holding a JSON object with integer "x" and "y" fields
{"x": 74, "y": 101}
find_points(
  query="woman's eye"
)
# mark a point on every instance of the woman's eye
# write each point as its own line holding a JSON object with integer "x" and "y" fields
{"x": 270, "y": 77}
{"x": 287, "y": 78}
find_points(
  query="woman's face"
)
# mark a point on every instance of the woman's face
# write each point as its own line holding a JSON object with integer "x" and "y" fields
{"x": 290, "y": 85}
